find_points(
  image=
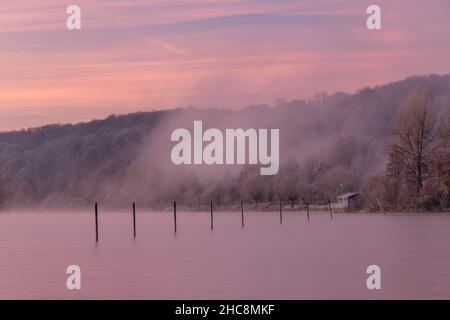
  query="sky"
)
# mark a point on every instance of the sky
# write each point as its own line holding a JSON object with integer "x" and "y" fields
{"x": 159, "y": 54}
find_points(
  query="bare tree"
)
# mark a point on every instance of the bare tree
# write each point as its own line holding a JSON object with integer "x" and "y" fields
{"x": 286, "y": 181}
{"x": 337, "y": 180}
{"x": 444, "y": 135}
{"x": 376, "y": 192}
{"x": 414, "y": 135}
{"x": 254, "y": 186}
{"x": 394, "y": 172}
{"x": 443, "y": 156}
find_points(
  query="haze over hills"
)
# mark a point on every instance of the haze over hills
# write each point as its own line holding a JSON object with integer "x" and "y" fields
{"x": 329, "y": 144}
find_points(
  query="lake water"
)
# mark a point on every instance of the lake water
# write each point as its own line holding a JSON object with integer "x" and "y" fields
{"x": 264, "y": 260}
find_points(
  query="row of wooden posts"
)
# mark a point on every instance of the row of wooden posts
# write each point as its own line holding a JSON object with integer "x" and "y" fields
{"x": 211, "y": 211}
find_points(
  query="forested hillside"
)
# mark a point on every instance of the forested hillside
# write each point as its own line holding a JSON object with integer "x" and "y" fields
{"x": 328, "y": 145}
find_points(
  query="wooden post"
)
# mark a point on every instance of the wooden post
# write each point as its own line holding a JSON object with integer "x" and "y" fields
{"x": 331, "y": 211}
{"x": 96, "y": 222}
{"x": 134, "y": 219}
{"x": 175, "y": 215}
{"x": 212, "y": 217}
{"x": 281, "y": 212}
{"x": 242, "y": 212}
{"x": 307, "y": 209}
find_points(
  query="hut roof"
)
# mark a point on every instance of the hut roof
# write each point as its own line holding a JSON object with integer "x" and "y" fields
{"x": 348, "y": 195}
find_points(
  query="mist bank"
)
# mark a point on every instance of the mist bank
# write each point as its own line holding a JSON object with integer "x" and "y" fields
{"x": 330, "y": 144}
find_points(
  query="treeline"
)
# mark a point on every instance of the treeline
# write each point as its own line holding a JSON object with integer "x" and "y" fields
{"x": 389, "y": 142}
{"x": 63, "y": 165}
{"x": 314, "y": 181}
{"x": 417, "y": 174}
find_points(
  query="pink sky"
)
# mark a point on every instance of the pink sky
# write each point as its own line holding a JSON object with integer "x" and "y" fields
{"x": 158, "y": 54}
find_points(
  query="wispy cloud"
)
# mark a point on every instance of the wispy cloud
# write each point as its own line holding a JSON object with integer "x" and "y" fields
{"x": 168, "y": 46}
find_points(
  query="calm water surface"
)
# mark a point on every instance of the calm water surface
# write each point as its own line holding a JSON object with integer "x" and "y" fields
{"x": 265, "y": 260}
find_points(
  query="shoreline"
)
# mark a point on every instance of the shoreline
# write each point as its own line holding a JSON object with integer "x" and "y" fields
{"x": 221, "y": 210}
